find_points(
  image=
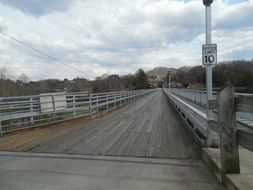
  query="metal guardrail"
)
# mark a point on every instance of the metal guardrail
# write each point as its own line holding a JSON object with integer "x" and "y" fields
{"x": 199, "y": 97}
{"x": 22, "y": 112}
{"x": 189, "y": 115}
{"x": 197, "y": 122}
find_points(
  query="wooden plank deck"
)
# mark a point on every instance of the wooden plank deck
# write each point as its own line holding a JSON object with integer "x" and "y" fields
{"x": 148, "y": 127}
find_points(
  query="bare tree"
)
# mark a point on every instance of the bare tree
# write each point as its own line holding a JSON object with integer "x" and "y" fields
{"x": 78, "y": 85}
{"x": 23, "y": 78}
{"x": 3, "y": 73}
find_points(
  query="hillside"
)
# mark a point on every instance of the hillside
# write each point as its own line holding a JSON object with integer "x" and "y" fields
{"x": 237, "y": 72}
{"x": 185, "y": 68}
{"x": 160, "y": 71}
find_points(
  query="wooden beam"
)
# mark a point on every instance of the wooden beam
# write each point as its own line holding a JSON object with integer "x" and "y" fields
{"x": 228, "y": 131}
{"x": 244, "y": 104}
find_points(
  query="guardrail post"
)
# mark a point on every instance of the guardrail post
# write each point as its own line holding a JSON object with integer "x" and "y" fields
{"x": 107, "y": 102}
{"x": 228, "y": 131}
{"x": 53, "y": 102}
{"x": 31, "y": 110}
{"x": 120, "y": 98}
{"x": 131, "y": 96}
{"x": 114, "y": 100}
{"x": 74, "y": 106}
{"x": 90, "y": 105}
{"x": 1, "y": 130}
{"x": 97, "y": 103}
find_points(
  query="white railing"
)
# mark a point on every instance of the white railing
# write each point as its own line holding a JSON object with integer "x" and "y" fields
{"x": 199, "y": 97}
{"x": 196, "y": 96}
{"x": 22, "y": 112}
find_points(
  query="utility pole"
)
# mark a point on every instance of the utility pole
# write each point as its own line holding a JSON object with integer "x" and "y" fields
{"x": 209, "y": 80}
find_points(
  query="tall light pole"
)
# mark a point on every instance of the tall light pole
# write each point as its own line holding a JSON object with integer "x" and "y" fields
{"x": 209, "y": 80}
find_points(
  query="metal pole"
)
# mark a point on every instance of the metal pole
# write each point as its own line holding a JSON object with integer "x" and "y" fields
{"x": 54, "y": 110}
{"x": 90, "y": 104}
{"x": 114, "y": 100}
{"x": 209, "y": 85}
{"x": 169, "y": 81}
{"x": 107, "y": 102}
{"x": 31, "y": 110}
{"x": 120, "y": 98}
{"x": 97, "y": 103}
{"x": 74, "y": 106}
{"x": 209, "y": 80}
{"x": 1, "y": 130}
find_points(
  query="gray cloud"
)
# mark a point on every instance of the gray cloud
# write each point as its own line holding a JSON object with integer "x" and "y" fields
{"x": 239, "y": 17}
{"x": 107, "y": 36}
{"x": 241, "y": 52}
{"x": 39, "y": 7}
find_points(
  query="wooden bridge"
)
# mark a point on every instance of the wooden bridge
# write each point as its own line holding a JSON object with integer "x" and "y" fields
{"x": 143, "y": 145}
{"x": 149, "y": 128}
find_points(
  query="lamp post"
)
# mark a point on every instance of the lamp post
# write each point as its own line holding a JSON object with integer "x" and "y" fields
{"x": 209, "y": 82}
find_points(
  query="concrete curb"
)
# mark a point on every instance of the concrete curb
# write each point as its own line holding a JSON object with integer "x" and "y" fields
{"x": 211, "y": 160}
{"x": 242, "y": 181}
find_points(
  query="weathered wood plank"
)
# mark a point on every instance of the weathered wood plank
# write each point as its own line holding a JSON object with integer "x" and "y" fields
{"x": 244, "y": 104}
{"x": 147, "y": 128}
{"x": 142, "y": 124}
{"x": 228, "y": 131}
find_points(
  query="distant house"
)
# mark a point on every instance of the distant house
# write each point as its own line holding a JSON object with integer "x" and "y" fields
{"x": 155, "y": 81}
{"x": 174, "y": 84}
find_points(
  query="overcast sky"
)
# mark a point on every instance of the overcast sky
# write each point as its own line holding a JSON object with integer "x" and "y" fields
{"x": 118, "y": 36}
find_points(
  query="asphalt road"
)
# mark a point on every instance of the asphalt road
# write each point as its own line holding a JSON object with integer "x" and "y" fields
{"x": 30, "y": 171}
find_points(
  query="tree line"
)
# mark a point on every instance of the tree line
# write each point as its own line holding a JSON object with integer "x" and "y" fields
{"x": 239, "y": 73}
{"x": 23, "y": 86}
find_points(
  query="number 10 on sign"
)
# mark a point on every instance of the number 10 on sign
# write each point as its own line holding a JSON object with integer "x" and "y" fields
{"x": 209, "y": 54}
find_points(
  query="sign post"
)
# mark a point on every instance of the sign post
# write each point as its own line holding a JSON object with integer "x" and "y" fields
{"x": 209, "y": 59}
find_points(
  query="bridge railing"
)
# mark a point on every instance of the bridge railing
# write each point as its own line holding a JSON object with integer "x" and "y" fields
{"x": 22, "y": 112}
{"x": 199, "y": 97}
{"x": 194, "y": 118}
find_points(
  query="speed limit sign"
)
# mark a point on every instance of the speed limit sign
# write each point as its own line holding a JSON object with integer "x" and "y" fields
{"x": 209, "y": 54}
